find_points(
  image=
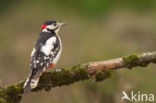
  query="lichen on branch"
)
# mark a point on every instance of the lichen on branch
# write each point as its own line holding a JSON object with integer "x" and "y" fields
{"x": 97, "y": 71}
{"x": 133, "y": 60}
{"x": 66, "y": 76}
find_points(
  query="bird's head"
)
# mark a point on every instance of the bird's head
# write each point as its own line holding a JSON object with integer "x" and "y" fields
{"x": 51, "y": 26}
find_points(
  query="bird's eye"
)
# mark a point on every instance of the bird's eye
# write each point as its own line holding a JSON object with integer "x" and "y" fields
{"x": 54, "y": 24}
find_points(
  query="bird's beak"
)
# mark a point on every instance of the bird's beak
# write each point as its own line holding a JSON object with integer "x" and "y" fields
{"x": 62, "y": 24}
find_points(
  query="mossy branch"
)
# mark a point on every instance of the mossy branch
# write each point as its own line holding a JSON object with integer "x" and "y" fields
{"x": 97, "y": 71}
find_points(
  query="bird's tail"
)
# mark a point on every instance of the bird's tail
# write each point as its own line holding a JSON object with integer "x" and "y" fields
{"x": 31, "y": 82}
{"x": 27, "y": 86}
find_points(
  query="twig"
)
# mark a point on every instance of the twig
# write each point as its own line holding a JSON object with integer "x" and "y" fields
{"x": 98, "y": 71}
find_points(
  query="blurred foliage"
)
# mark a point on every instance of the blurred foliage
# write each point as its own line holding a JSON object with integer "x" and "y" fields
{"x": 5, "y": 4}
{"x": 96, "y": 30}
{"x": 92, "y": 8}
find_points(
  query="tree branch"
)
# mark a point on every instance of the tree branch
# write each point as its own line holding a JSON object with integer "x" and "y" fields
{"x": 94, "y": 70}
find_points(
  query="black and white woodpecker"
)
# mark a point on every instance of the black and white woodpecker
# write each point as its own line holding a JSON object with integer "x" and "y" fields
{"x": 45, "y": 54}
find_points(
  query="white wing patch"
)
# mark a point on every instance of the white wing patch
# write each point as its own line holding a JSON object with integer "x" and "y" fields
{"x": 49, "y": 45}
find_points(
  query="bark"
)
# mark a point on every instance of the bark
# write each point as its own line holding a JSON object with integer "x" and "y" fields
{"x": 98, "y": 71}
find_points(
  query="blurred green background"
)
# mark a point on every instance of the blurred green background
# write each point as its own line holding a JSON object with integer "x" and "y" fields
{"x": 96, "y": 30}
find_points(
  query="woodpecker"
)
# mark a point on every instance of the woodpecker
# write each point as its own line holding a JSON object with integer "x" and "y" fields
{"x": 45, "y": 54}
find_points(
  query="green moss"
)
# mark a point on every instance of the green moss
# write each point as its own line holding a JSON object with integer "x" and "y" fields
{"x": 2, "y": 93}
{"x": 100, "y": 75}
{"x": 15, "y": 89}
{"x": 144, "y": 64}
{"x": 80, "y": 72}
{"x": 133, "y": 60}
{"x": 13, "y": 98}
{"x": 11, "y": 93}
{"x": 2, "y": 100}
{"x": 84, "y": 65}
{"x": 68, "y": 76}
{"x": 8, "y": 97}
{"x": 64, "y": 77}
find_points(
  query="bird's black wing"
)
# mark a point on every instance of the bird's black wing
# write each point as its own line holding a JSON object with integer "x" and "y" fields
{"x": 45, "y": 50}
